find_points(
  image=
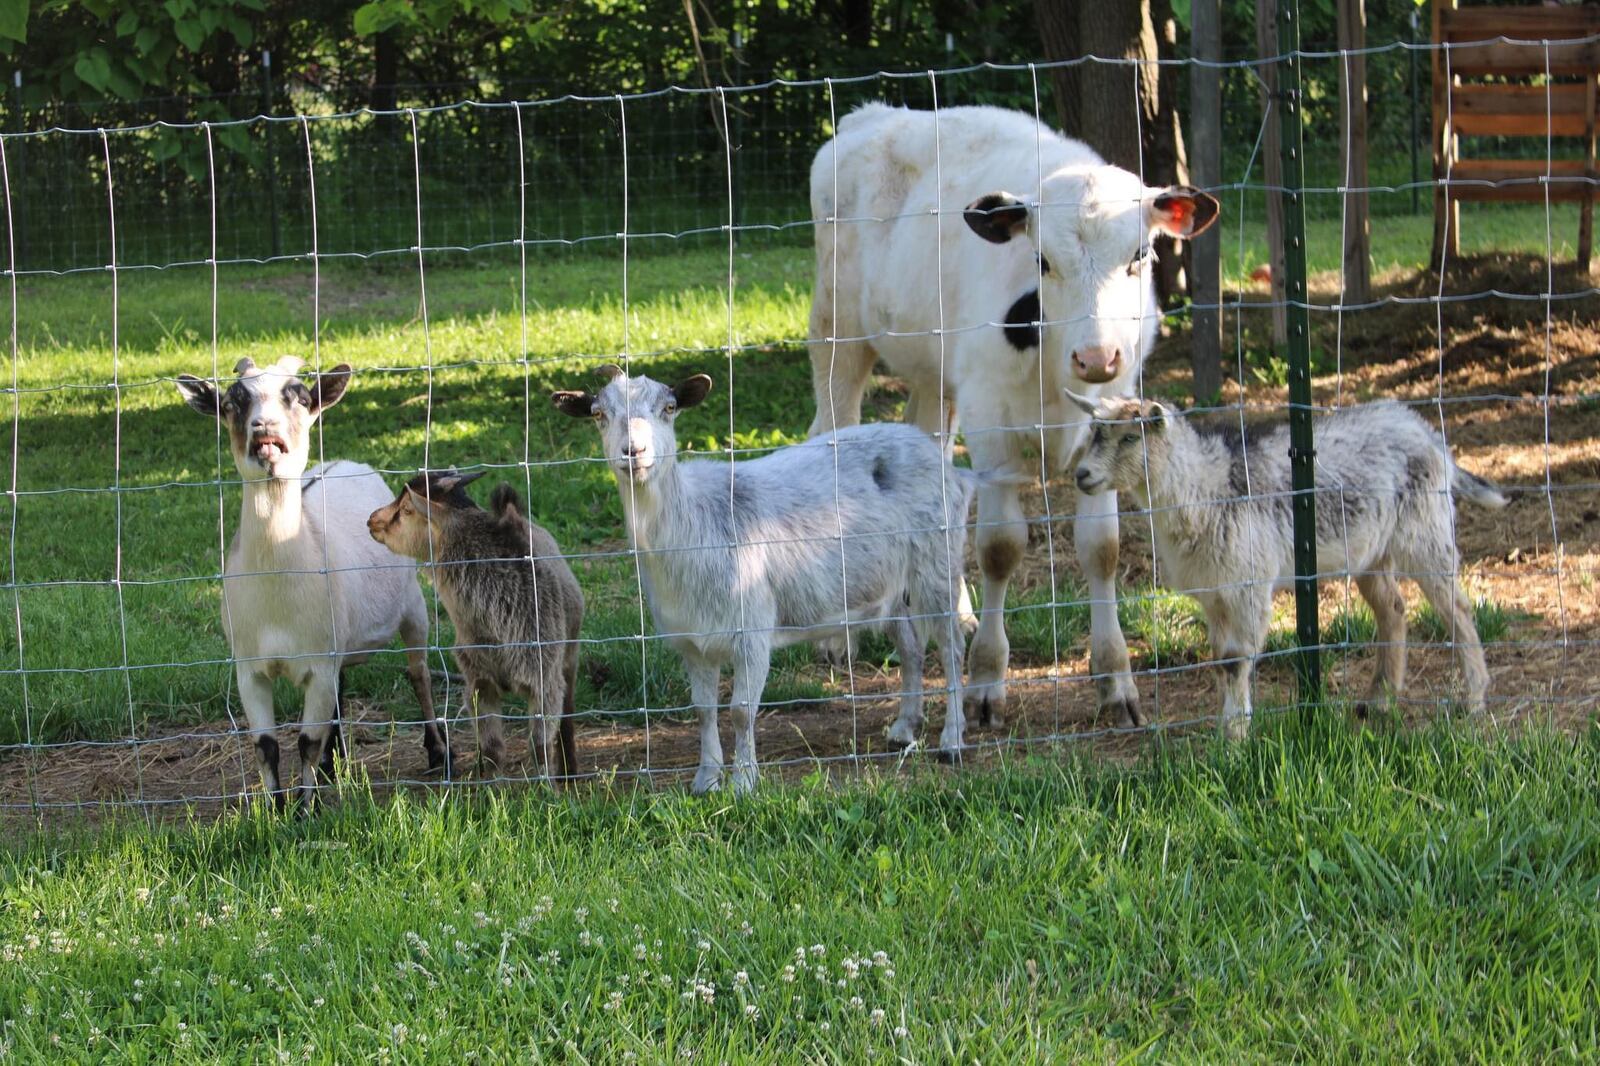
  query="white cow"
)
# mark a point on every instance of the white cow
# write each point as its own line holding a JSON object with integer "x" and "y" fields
{"x": 916, "y": 215}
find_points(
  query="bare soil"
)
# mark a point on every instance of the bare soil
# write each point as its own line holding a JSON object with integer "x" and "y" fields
{"x": 1516, "y": 386}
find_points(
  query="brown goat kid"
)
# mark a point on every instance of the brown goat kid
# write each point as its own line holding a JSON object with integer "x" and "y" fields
{"x": 516, "y": 606}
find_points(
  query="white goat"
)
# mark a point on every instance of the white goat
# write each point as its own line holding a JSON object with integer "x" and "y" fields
{"x": 305, "y": 591}
{"x": 740, "y": 558}
{"x": 1221, "y": 509}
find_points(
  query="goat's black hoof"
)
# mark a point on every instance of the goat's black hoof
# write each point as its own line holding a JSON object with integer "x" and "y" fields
{"x": 989, "y": 715}
{"x": 949, "y": 756}
{"x": 1126, "y": 713}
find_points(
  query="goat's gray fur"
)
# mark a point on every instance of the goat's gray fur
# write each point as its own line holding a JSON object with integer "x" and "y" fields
{"x": 1221, "y": 509}
{"x": 738, "y": 558}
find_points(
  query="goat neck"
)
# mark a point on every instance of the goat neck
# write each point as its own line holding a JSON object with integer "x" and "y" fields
{"x": 1188, "y": 482}
{"x": 273, "y": 514}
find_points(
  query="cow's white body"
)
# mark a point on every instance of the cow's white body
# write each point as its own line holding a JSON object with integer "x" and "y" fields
{"x": 902, "y": 275}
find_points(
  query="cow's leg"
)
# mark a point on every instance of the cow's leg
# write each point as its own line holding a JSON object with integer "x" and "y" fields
{"x": 1095, "y": 536}
{"x": 1002, "y": 538}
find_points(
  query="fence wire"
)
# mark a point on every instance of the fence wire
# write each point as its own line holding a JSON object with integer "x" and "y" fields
{"x": 115, "y": 677}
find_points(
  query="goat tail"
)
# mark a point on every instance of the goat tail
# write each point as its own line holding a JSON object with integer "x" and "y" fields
{"x": 1479, "y": 490}
{"x": 505, "y": 496}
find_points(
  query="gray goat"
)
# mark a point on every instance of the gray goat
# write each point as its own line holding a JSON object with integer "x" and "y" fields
{"x": 515, "y": 604}
{"x": 739, "y": 558}
{"x": 1221, "y": 510}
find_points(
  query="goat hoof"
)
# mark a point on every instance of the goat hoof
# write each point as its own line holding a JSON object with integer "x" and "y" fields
{"x": 949, "y": 756}
{"x": 1126, "y": 713}
{"x": 706, "y": 781}
{"x": 989, "y": 715}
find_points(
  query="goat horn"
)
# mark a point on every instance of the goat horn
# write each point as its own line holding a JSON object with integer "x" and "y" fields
{"x": 610, "y": 372}
{"x": 244, "y": 364}
{"x": 1082, "y": 403}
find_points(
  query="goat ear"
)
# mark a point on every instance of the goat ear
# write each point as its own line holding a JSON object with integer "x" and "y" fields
{"x": 452, "y": 480}
{"x": 577, "y": 404}
{"x": 997, "y": 217}
{"x": 1157, "y": 414}
{"x": 1082, "y": 403}
{"x": 330, "y": 386}
{"x": 1181, "y": 211}
{"x": 690, "y": 391}
{"x": 201, "y": 395}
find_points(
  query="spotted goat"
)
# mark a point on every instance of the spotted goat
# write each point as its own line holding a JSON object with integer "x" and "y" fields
{"x": 306, "y": 593}
{"x": 1220, "y": 504}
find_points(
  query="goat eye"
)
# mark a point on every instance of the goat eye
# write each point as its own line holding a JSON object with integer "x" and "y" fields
{"x": 670, "y": 410}
{"x": 1044, "y": 263}
{"x": 1130, "y": 438}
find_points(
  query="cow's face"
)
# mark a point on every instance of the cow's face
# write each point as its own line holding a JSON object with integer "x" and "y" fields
{"x": 1091, "y": 231}
{"x": 269, "y": 412}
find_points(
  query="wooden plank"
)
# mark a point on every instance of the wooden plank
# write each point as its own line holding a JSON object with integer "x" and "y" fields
{"x": 1586, "y": 214}
{"x": 1470, "y": 180}
{"x": 1352, "y": 36}
{"x": 1524, "y": 59}
{"x": 1519, "y": 110}
{"x": 1519, "y": 23}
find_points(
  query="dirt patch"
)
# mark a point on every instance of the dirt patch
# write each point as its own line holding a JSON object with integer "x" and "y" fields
{"x": 1513, "y": 382}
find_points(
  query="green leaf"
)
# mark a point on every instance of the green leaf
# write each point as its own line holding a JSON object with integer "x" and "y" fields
{"x": 127, "y": 23}
{"x": 190, "y": 33}
{"x": 93, "y": 70}
{"x": 14, "y": 19}
{"x": 146, "y": 39}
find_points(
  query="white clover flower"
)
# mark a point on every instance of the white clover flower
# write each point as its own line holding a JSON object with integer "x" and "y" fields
{"x": 901, "y": 1032}
{"x": 818, "y": 950}
{"x": 741, "y": 978}
{"x": 788, "y": 974}
{"x": 704, "y": 945}
{"x": 752, "y": 1011}
{"x": 856, "y": 1002}
{"x": 877, "y": 1016}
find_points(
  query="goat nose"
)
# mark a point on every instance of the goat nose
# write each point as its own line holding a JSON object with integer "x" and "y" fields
{"x": 1096, "y": 363}
{"x": 633, "y": 450}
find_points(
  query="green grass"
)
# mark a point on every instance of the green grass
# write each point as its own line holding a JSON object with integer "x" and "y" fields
{"x": 1316, "y": 894}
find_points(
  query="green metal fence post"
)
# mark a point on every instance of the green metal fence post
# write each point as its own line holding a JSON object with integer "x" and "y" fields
{"x": 1301, "y": 451}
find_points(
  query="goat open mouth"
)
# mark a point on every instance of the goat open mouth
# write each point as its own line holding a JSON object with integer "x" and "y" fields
{"x": 268, "y": 448}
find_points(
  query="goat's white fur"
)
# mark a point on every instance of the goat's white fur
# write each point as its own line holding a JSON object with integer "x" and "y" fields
{"x": 738, "y": 559}
{"x": 1221, "y": 509}
{"x": 306, "y": 591}
{"x": 928, "y": 293}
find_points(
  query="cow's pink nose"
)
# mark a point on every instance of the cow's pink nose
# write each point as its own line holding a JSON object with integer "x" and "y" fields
{"x": 1096, "y": 364}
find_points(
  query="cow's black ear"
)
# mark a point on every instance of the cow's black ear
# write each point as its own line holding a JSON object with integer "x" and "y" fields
{"x": 997, "y": 217}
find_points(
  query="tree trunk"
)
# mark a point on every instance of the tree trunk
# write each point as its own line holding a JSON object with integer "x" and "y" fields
{"x": 857, "y": 18}
{"x": 1205, "y": 251}
{"x": 1123, "y": 110}
{"x": 1352, "y": 22}
{"x": 385, "y": 72}
{"x": 1272, "y": 166}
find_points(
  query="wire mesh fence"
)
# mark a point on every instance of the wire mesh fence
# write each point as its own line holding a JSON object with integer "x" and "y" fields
{"x": 470, "y": 258}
